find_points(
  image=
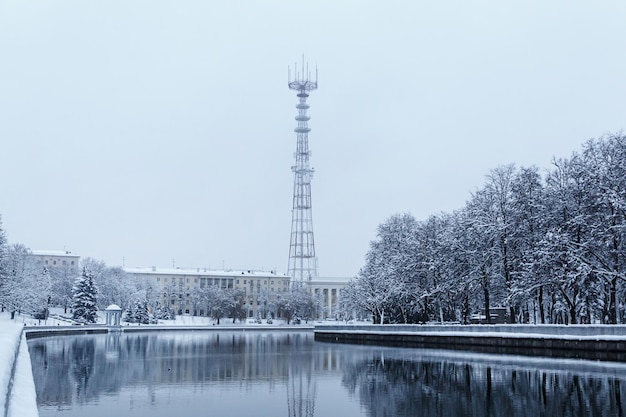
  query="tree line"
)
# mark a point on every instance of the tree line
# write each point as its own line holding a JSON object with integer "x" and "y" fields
{"x": 546, "y": 246}
{"x": 28, "y": 286}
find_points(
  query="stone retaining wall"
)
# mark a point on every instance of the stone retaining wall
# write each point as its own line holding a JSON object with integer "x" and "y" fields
{"x": 601, "y": 343}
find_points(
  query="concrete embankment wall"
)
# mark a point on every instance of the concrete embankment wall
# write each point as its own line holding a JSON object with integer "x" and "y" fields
{"x": 589, "y": 342}
{"x": 41, "y": 331}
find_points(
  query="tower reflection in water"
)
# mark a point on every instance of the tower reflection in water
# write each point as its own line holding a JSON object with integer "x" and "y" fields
{"x": 273, "y": 373}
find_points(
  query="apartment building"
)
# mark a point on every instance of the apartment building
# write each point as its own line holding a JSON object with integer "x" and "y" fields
{"x": 177, "y": 286}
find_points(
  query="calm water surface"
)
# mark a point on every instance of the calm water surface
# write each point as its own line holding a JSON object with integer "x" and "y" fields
{"x": 275, "y": 374}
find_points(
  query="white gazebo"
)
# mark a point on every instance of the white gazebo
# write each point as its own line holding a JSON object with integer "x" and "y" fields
{"x": 113, "y": 315}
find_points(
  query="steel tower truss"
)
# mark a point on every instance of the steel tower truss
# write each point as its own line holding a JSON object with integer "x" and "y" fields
{"x": 302, "y": 262}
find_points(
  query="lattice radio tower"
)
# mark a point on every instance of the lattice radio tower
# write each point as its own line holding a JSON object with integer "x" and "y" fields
{"x": 302, "y": 262}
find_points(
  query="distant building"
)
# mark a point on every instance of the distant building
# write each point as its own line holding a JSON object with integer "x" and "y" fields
{"x": 328, "y": 290}
{"x": 52, "y": 258}
{"x": 177, "y": 286}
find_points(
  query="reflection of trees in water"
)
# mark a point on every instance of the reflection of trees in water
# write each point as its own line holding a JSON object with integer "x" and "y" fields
{"x": 82, "y": 363}
{"x": 69, "y": 369}
{"x": 396, "y": 387}
{"x": 78, "y": 369}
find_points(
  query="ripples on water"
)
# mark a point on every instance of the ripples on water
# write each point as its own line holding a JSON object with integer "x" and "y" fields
{"x": 258, "y": 374}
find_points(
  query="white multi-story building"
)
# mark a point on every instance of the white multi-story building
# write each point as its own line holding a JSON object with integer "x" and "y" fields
{"x": 177, "y": 286}
{"x": 328, "y": 290}
{"x": 54, "y": 258}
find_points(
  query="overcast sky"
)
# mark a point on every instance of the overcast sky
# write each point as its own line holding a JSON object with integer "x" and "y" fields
{"x": 161, "y": 132}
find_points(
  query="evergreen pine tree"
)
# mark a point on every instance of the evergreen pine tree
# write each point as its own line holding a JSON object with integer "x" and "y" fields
{"x": 138, "y": 312}
{"x": 84, "y": 293}
{"x": 161, "y": 312}
{"x": 143, "y": 315}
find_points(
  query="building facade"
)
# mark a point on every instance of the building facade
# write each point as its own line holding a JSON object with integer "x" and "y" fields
{"x": 259, "y": 289}
{"x": 54, "y": 258}
{"x": 179, "y": 287}
{"x": 328, "y": 293}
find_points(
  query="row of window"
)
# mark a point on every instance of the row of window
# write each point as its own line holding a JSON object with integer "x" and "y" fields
{"x": 54, "y": 262}
{"x": 223, "y": 281}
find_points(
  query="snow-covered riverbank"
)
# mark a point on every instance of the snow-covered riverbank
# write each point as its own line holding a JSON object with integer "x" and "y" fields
{"x": 16, "y": 377}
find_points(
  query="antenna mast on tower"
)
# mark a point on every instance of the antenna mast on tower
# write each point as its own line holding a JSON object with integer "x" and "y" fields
{"x": 302, "y": 262}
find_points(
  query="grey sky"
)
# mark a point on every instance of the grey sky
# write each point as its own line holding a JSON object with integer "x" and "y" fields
{"x": 159, "y": 130}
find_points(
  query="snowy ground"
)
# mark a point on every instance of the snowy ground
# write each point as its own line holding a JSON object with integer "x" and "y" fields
{"x": 59, "y": 318}
{"x": 14, "y": 353}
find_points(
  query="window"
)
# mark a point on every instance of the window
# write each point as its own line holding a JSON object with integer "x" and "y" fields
{"x": 64, "y": 262}
{"x": 72, "y": 262}
{"x": 46, "y": 262}
{"x": 54, "y": 262}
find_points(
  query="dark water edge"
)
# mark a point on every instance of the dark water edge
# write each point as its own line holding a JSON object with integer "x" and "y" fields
{"x": 278, "y": 373}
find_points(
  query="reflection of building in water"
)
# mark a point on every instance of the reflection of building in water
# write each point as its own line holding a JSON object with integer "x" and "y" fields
{"x": 116, "y": 361}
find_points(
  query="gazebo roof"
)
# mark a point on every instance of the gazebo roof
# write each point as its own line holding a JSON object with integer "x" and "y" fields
{"x": 113, "y": 307}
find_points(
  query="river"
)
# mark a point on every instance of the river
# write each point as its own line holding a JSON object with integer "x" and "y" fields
{"x": 284, "y": 373}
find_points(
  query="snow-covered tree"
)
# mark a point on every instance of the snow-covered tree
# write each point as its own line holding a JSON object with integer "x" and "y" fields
{"x": 62, "y": 278}
{"x": 162, "y": 312}
{"x": 138, "y": 312}
{"x": 550, "y": 249}
{"x": 238, "y": 310}
{"x": 84, "y": 300}
{"x": 25, "y": 287}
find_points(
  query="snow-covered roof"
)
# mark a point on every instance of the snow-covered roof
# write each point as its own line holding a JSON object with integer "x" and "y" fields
{"x": 329, "y": 281}
{"x": 113, "y": 307}
{"x": 203, "y": 272}
{"x": 54, "y": 253}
